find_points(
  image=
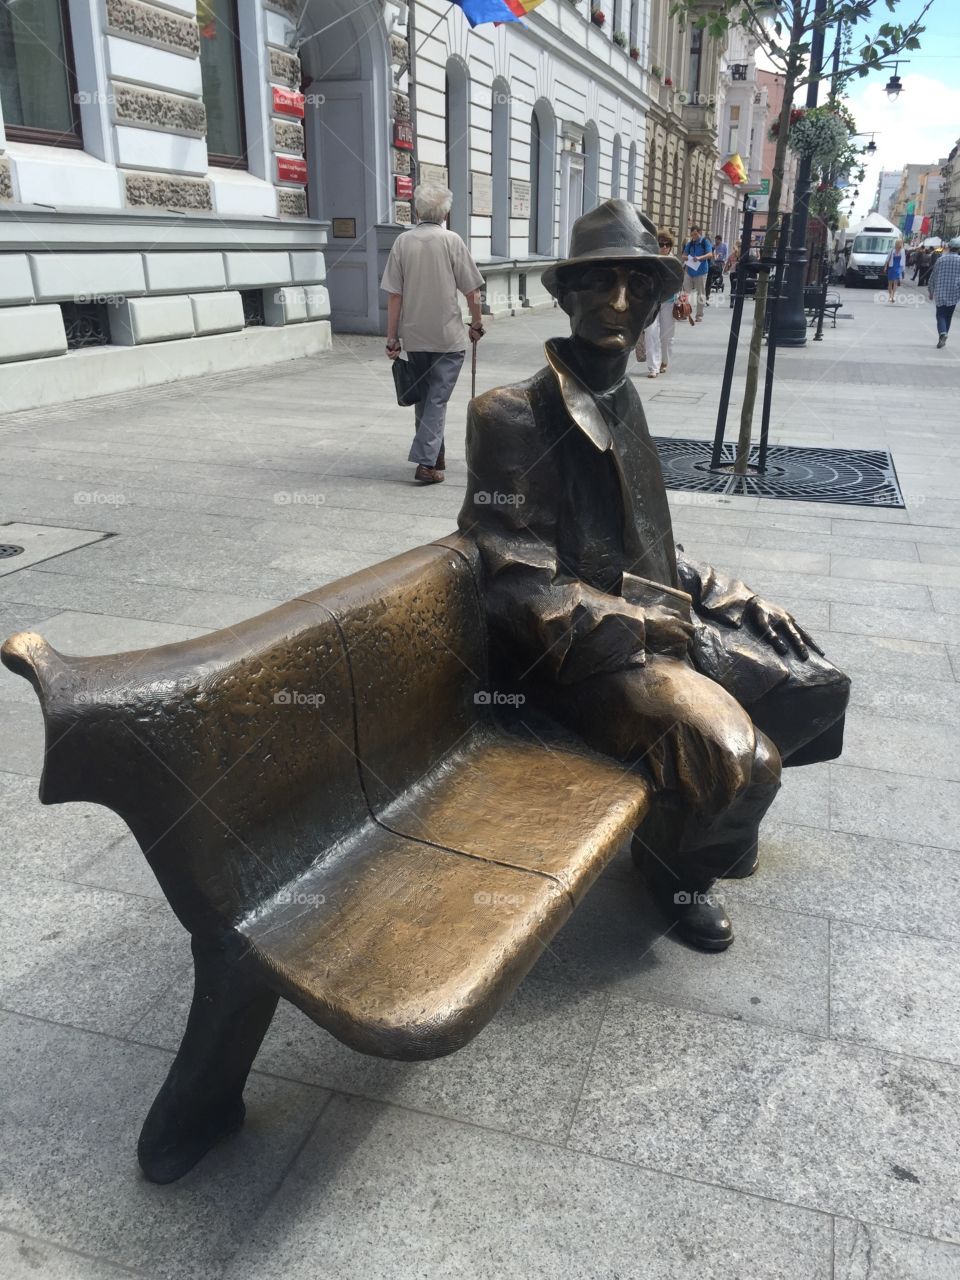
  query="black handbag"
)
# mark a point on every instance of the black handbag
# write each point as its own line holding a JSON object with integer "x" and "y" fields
{"x": 407, "y": 382}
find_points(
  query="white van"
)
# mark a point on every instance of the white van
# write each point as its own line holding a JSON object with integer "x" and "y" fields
{"x": 868, "y": 247}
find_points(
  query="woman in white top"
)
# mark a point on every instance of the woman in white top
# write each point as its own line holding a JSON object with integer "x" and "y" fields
{"x": 658, "y": 337}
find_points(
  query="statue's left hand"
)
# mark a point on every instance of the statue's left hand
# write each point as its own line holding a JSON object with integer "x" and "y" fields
{"x": 778, "y": 628}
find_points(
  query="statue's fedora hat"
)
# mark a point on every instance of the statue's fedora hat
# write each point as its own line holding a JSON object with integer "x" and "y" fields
{"x": 617, "y": 232}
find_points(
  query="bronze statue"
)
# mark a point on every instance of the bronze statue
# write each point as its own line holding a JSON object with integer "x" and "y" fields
{"x": 663, "y": 662}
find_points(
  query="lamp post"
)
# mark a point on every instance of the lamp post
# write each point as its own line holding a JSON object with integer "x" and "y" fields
{"x": 792, "y": 321}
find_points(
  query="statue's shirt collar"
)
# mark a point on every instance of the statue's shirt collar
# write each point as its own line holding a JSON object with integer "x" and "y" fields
{"x": 582, "y": 404}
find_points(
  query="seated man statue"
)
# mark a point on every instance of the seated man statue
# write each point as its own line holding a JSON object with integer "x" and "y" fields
{"x": 651, "y": 657}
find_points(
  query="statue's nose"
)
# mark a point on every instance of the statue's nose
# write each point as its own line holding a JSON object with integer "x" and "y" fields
{"x": 618, "y": 299}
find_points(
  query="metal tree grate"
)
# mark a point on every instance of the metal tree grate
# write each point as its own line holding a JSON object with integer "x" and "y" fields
{"x": 849, "y": 477}
{"x": 9, "y": 549}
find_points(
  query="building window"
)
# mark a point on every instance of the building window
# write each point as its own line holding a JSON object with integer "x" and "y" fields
{"x": 500, "y": 169}
{"x": 457, "y": 146}
{"x": 222, "y": 86}
{"x": 738, "y": 71}
{"x": 632, "y": 173}
{"x": 615, "y": 166}
{"x": 542, "y": 179}
{"x": 37, "y": 83}
{"x": 696, "y": 50}
{"x": 734, "y": 129}
{"x": 591, "y": 167}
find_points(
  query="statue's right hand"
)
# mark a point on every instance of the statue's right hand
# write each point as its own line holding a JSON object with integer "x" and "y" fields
{"x": 666, "y": 630}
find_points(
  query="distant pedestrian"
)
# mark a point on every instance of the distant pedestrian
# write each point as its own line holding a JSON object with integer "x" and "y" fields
{"x": 927, "y": 264}
{"x": 657, "y": 340}
{"x": 426, "y": 267}
{"x": 896, "y": 266}
{"x": 716, "y": 266}
{"x": 944, "y": 288}
{"x": 697, "y": 253}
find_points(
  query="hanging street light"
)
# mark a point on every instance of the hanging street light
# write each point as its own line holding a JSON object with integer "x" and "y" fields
{"x": 893, "y": 88}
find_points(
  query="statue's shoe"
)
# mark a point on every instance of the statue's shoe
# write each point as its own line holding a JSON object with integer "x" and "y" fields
{"x": 698, "y": 917}
{"x": 174, "y": 1139}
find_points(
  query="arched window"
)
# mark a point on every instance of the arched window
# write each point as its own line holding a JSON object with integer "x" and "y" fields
{"x": 500, "y": 168}
{"x": 615, "y": 165}
{"x": 543, "y": 144}
{"x": 458, "y": 146}
{"x": 632, "y": 173}
{"x": 650, "y": 181}
{"x": 591, "y": 167}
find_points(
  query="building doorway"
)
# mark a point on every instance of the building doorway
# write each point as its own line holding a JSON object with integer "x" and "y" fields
{"x": 346, "y": 78}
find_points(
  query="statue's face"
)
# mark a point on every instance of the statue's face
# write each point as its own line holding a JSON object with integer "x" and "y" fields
{"x": 609, "y": 304}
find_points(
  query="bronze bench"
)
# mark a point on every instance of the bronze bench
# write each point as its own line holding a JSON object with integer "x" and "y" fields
{"x": 337, "y": 817}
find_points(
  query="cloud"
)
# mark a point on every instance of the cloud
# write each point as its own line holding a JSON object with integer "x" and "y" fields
{"x": 919, "y": 127}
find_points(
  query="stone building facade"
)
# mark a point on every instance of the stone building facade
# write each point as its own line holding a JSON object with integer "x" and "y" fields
{"x": 152, "y": 195}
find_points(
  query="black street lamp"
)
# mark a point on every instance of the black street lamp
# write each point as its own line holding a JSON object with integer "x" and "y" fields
{"x": 893, "y": 88}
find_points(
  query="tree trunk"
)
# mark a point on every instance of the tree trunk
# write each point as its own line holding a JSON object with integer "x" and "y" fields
{"x": 769, "y": 247}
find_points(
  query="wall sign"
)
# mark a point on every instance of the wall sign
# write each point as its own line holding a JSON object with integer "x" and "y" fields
{"x": 435, "y": 174}
{"x": 403, "y": 135}
{"x": 481, "y": 193}
{"x": 291, "y": 169}
{"x": 287, "y": 102}
{"x": 403, "y": 186}
{"x": 344, "y": 228}
{"x": 520, "y": 193}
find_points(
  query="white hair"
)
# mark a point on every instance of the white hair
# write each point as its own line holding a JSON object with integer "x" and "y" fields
{"x": 431, "y": 202}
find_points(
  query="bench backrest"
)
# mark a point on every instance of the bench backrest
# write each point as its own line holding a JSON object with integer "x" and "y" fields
{"x": 233, "y": 757}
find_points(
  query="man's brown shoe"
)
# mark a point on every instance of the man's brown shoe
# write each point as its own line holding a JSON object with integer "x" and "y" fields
{"x": 428, "y": 475}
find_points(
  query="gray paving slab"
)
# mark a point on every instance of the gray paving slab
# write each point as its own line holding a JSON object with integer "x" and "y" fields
{"x": 889, "y": 658}
{"x": 120, "y": 868}
{"x": 69, "y": 1154}
{"x": 877, "y": 882}
{"x": 877, "y": 802}
{"x": 900, "y": 624}
{"x": 818, "y": 1123}
{"x": 804, "y": 796}
{"x": 40, "y": 542}
{"x": 891, "y": 741}
{"x": 23, "y": 738}
{"x": 384, "y": 1192}
{"x": 895, "y": 991}
{"x": 22, "y": 1258}
{"x": 865, "y": 1251}
{"x": 48, "y": 841}
{"x": 776, "y": 972}
{"x": 85, "y": 956}
{"x": 523, "y": 1073}
{"x": 937, "y": 702}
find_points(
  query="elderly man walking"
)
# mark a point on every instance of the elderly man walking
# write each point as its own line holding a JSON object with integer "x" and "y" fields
{"x": 944, "y": 288}
{"x": 426, "y": 267}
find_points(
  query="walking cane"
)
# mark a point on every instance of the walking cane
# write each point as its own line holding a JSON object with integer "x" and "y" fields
{"x": 473, "y": 371}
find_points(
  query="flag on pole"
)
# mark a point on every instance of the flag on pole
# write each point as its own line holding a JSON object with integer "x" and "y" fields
{"x": 734, "y": 169}
{"x": 925, "y": 226}
{"x": 478, "y": 11}
{"x": 520, "y": 7}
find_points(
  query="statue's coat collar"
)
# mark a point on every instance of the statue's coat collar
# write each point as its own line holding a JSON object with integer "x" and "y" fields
{"x": 580, "y": 401}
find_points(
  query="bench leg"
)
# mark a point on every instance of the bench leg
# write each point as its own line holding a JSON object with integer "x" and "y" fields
{"x": 201, "y": 1100}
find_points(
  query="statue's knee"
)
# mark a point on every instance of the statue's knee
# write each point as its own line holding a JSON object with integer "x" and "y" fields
{"x": 767, "y": 766}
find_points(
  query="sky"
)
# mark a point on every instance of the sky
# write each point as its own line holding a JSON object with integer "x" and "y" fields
{"x": 923, "y": 124}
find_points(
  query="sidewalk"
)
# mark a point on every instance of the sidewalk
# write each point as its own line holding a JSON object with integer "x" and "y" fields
{"x": 787, "y": 1110}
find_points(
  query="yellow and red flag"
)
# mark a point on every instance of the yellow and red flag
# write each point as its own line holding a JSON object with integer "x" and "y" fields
{"x": 733, "y": 168}
{"x": 520, "y": 7}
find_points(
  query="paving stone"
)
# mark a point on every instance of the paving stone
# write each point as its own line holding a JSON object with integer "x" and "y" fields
{"x": 804, "y": 796}
{"x": 890, "y": 740}
{"x": 934, "y": 702}
{"x": 896, "y": 991}
{"x": 901, "y": 624}
{"x": 48, "y": 841}
{"x": 121, "y": 868}
{"x": 912, "y": 888}
{"x": 776, "y": 971}
{"x": 875, "y": 802}
{"x": 23, "y": 738}
{"x": 896, "y": 660}
{"x": 76, "y": 1104}
{"x": 85, "y": 956}
{"x": 22, "y": 1258}
{"x": 863, "y": 1251}
{"x": 932, "y": 575}
{"x": 818, "y": 1123}
{"x": 383, "y": 1192}
{"x": 836, "y": 544}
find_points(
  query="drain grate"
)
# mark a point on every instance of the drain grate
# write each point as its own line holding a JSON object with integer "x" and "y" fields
{"x": 9, "y": 549}
{"x": 849, "y": 477}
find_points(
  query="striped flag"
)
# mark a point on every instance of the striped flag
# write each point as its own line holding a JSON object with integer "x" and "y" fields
{"x": 478, "y": 11}
{"x": 520, "y": 7}
{"x": 734, "y": 169}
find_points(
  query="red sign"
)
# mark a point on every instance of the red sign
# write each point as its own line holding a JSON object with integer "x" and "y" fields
{"x": 403, "y": 186}
{"x": 291, "y": 169}
{"x": 403, "y": 135}
{"x": 287, "y": 102}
